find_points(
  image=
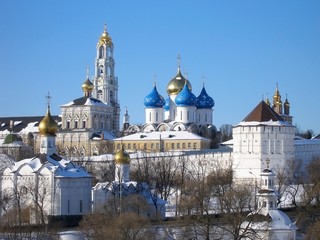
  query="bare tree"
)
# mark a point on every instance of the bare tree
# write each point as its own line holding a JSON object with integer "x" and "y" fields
{"x": 226, "y": 132}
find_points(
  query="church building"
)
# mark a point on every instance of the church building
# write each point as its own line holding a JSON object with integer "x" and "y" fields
{"x": 45, "y": 187}
{"x": 183, "y": 116}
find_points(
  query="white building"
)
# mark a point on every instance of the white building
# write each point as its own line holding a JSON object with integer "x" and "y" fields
{"x": 45, "y": 187}
{"x": 278, "y": 224}
{"x": 262, "y": 135}
{"x": 123, "y": 195}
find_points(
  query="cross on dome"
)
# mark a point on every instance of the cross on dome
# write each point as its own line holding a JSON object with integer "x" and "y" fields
{"x": 48, "y": 97}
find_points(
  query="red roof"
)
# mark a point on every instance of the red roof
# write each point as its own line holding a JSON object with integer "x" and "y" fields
{"x": 263, "y": 113}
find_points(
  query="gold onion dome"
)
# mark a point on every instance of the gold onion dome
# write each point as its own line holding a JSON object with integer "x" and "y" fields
{"x": 122, "y": 157}
{"x": 87, "y": 86}
{"x": 177, "y": 83}
{"x": 48, "y": 125}
{"x": 105, "y": 39}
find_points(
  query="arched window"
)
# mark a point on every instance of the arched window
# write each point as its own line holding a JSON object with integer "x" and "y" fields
{"x": 101, "y": 52}
{"x": 111, "y": 96}
{"x": 100, "y": 94}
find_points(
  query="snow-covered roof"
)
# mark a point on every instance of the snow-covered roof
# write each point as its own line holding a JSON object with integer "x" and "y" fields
{"x": 265, "y": 123}
{"x": 85, "y": 101}
{"x": 54, "y": 163}
{"x": 165, "y": 135}
{"x": 129, "y": 188}
{"x": 280, "y": 220}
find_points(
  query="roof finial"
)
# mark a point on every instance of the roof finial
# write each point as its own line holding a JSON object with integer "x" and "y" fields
{"x": 105, "y": 27}
{"x": 179, "y": 61}
{"x": 203, "y": 78}
{"x": 87, "y": 70}
{"x": 48, "y": 97}
{"x": 154, "y": 79}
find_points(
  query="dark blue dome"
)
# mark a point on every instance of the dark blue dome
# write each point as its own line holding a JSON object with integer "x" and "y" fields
{"x": 204, "y": 101}
{"x": 185, "y": 97}
{"x": 154, "y": 99}
{"x": 167, "y": 104}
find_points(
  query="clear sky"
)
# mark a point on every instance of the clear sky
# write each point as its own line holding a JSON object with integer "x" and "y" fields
{"x": 240, "y": 49}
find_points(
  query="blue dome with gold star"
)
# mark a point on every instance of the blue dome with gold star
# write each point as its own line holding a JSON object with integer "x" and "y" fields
{"x": 185, "y": 97}
{"x": 154, "y": 99}
{"x": 204, "y": 101}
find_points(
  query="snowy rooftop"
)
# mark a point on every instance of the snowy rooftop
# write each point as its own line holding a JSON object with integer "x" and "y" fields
{"x": 54, "y": 163}
{"x": 85, "y": 101}
{"x": 165, "y": 135}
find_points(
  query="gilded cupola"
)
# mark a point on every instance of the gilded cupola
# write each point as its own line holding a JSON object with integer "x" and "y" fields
{"x": 48, "y": 125}
{"x": 105, "y": 39}
{"x": 122, "y": 157}
{"x": 176, "y": 84}
{"x": 87, "y": 87}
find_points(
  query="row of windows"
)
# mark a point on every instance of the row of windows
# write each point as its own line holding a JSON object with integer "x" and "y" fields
{"x": 156, "y": 146}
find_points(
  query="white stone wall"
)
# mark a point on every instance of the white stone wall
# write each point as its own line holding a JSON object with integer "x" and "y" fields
{"x": 255, "y": 145}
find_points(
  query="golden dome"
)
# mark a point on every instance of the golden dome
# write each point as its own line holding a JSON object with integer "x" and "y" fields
{"x": 276, "y": 96}
{"x": 122, "y": 157}
{"x": 48, "y": 125}
{"x": 87, "y": 86}
{"x": 177, "y": 84}
{"x": 105, "y": 39}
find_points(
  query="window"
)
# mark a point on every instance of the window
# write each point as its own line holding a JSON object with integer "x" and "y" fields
{"x": 264, "y": 204}
{"x": 150, "y": 117}
{"x": 68, "y": 125}
{"x": 100, "y": 94}
{"x": 152, "y": 145}
{"x": 68, "y": 206}
{"x": 178, "y": 145}
{"x": 266, "y": 182}
{"x": 118, "y": 146}
{"x": 187, "y": 115}
{"x": 206, "y": 118}
{"x": 129, "y": 145}
{"x": 83, "y": 124}
{"x": 156, "y": 116}
{"x": 134, "y": 146}
{"x": 194, "y": 145}
{"x": 101, "y": 125}
{"x": 101, "y": 52}
{"x": 271, "y": 204}
{"x": 76, "y": 124}
{"x": 172, "y": 145}
{"x": 183, "y": 145}
{"x": 189, "y": 145}
{"x": 180, "y": 115}
{"x": 80, "y": 210}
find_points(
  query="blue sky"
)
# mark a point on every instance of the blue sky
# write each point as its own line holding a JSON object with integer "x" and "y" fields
{"x": 239, "y": 49}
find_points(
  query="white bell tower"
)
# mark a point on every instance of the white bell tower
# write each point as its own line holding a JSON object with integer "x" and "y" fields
{"x": 105, "y": 81}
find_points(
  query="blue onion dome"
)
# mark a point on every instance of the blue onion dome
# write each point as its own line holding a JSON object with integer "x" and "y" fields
{"x": 204, "y": 101}
{"x": 185, "y": 97}
{"x": 177, "y": 83}
{"x": 167, "y": 104}
{"x": 154, "y": 99}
